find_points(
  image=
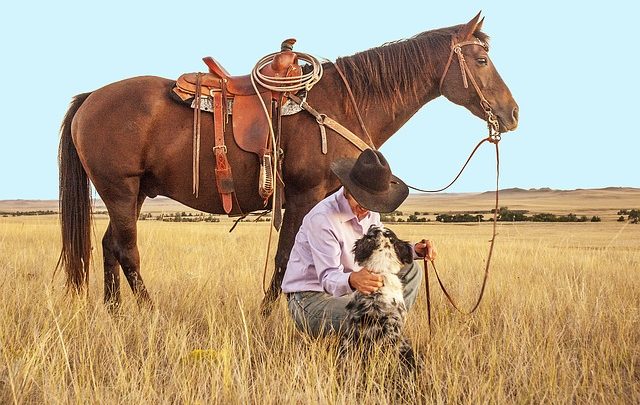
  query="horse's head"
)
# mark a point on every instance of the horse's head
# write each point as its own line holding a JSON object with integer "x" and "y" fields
{"x": 471, "y": 80}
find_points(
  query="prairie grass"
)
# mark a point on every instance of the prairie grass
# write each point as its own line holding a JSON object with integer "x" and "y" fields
{"x": 559, "y": 322}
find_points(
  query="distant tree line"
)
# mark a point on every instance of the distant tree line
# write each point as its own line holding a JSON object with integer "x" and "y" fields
{"x": 459, "y": 217}
{"x": 180, "y": 217}
{"x": 27, "y": 213}
{"x": 633, "y": 216}
{"x": 505, "y": 214}
{"x": 391, "y": 217}
{"x": 192, "y": 217}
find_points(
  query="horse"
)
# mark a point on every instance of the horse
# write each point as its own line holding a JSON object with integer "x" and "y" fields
{"x": 132, "y": 141}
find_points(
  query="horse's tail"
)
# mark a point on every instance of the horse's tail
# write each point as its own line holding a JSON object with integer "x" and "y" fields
{"x": 75, "y": 206}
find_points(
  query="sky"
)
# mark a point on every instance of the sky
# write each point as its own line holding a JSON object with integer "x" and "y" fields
{"x": 571, "y": 66}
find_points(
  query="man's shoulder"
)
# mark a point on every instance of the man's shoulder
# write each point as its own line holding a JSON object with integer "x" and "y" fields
{"x": 326, "y": 205}
{"x": 324, "y": 212}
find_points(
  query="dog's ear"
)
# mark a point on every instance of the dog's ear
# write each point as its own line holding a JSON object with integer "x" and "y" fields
{"x": 404, "y": 251}
{"x": 373, "y": 229}
{"x": 363, "y": 247}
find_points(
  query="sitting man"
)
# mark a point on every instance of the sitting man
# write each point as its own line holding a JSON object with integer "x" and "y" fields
{"x": 320, "y": 276}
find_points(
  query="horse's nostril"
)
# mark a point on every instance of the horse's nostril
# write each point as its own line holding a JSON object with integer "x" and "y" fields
{"x": 514, "y": 114}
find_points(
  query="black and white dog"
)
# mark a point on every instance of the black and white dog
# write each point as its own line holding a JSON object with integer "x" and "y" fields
{"x": 376, "y": 320}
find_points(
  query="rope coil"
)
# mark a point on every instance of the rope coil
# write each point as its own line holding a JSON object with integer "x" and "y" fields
{"x": 288, "y": 84}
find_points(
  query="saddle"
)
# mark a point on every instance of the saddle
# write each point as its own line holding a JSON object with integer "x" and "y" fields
{"x": 252, "y": 113}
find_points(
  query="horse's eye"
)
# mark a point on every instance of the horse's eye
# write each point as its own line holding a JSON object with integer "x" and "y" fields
{"x": 482, "y": 61}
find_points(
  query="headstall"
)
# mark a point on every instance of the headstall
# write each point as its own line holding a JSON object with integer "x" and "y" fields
{"x": 456, "y": 48}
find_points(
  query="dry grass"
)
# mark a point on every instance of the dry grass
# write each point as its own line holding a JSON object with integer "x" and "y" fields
{"x": 559, "y": 322}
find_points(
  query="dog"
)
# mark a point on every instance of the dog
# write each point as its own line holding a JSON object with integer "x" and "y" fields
{"x": 376, "y": 320}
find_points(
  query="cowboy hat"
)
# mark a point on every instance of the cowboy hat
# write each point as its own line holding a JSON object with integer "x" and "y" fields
{"x": 369, "y": 179}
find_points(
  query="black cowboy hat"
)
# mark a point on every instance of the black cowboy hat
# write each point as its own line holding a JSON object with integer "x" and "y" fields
{"x": 368, "y": 178}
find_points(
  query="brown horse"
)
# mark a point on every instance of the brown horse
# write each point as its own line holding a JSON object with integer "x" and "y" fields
{"x": 132, "y": 141}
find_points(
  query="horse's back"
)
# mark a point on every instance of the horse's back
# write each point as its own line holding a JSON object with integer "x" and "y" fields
{"x": 125, "y": 98}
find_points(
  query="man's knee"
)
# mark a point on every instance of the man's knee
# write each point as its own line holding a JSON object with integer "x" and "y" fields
{"x": 317, "y": 314}
{"x": 411, "y": 274}
{"x": 411, "y": 277}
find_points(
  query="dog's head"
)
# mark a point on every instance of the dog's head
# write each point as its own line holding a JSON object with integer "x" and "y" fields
{"x": 381, "y": 251}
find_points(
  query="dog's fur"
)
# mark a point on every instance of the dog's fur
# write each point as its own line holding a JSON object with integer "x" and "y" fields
{"x": 376, "y": 320}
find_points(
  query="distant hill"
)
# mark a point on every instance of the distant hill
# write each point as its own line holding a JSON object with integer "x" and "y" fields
{"x": 603, "y": 201}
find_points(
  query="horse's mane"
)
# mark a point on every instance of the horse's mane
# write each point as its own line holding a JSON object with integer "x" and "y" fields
{"x": 386, "y": 74}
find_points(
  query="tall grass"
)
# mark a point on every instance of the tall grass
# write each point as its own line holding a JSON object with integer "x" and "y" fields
{"x": 559, "y": 322}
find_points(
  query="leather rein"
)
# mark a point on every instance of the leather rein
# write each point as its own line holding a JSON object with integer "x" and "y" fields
{"x": 494, "y": 138}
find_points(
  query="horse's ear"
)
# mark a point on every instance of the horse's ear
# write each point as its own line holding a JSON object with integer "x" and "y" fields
{"x": 479, "y": 26}
{"x": 466, "y": 33}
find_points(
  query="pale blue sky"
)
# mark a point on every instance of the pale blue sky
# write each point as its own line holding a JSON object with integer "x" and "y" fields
{"x": 572, "y": 69}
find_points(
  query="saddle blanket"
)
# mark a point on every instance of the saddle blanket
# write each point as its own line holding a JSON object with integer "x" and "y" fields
{"x": 206, "y": 104}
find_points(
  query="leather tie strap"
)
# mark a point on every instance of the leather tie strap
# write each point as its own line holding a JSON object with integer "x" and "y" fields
{"x": 224, "y": 177}
{"x": 196, "y": 135}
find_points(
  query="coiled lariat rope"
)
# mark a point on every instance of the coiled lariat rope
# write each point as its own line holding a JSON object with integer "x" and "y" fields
{"x": 283, "y": 85}
{"x": 287, "y": 84}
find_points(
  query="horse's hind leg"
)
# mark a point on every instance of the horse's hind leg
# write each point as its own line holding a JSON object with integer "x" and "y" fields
{"x": 121, "y": 244}
{"x": 111, "y": 264}
{"x": 111, "y": 270}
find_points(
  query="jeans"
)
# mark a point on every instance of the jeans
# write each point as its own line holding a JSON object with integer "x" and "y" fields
{"x": 319, "y": 314}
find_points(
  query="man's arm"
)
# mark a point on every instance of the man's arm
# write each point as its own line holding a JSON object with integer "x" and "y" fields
{"x": 326, "y": 252}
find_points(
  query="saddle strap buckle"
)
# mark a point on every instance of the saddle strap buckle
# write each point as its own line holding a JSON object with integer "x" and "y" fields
{"x": 323, "y": 132}
{"x": 222, "y": 147}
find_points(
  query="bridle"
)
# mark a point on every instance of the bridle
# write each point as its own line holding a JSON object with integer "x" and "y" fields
{"x": 456, "y": 48}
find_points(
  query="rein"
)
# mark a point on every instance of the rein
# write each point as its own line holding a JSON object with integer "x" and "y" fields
{"x": 489, "y": 255}
{"x": 494, "y": 137}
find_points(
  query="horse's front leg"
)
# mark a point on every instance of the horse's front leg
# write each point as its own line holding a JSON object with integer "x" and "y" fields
{"x": 297, "y": 206}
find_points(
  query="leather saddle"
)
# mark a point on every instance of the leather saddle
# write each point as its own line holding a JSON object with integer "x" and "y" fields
{"x": 235, "y": 97}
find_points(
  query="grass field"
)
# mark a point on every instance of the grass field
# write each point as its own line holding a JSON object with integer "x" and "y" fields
{"x": 559, "y": 322}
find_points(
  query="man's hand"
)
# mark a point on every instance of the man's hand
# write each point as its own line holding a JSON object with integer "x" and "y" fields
{"x": 365, "y": 281}
{"x": 426, "y": 248}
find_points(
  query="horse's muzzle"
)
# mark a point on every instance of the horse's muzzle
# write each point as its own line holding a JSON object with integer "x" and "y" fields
{"x": 509, "y": 120}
